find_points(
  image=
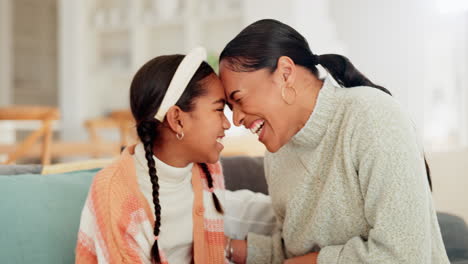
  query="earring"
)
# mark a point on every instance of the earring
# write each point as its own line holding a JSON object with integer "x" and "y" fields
{"x": 180, "y": 136}
{"x": 283, "y": 95}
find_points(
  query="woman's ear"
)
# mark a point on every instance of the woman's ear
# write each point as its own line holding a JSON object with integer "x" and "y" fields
{"x": 174, "y": 119}
{"x": 286, "y": 70}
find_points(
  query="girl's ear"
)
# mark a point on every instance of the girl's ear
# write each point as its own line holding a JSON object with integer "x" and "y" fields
{"x": 174, "y": 119}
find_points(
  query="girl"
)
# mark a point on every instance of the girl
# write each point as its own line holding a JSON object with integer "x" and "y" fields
{"x": 346, "y": 175}
{"x": 158, "y": 203}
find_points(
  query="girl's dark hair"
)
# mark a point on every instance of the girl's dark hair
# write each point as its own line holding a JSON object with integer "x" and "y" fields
{"x": 261, "y": 44}
{"x": 146, "y": 94}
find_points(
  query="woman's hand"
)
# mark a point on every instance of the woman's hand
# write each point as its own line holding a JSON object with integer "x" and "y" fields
{"x": 310, "y": 258}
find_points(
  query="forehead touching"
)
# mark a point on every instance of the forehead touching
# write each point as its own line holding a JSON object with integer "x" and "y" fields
{"x": 213, "y": 90}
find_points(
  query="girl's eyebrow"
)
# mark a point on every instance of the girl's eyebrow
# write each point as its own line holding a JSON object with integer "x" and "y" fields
{"x": 220, "y": 101}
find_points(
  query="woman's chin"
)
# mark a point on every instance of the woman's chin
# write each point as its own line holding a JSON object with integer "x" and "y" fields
{"x": 269, "y": 139}
{"x": 271, "y": 147}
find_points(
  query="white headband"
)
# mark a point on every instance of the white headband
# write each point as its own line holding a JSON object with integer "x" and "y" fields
{"x": 180, "y": 80}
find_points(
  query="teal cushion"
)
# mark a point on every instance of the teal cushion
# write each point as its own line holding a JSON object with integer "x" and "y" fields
{"x": 40, "y": 216}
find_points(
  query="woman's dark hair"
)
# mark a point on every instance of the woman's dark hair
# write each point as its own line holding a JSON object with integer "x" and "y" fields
{"x": 146, "y": 94}
{"x": 262, "y": 43}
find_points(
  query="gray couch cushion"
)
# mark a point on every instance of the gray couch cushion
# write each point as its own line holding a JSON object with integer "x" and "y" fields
{"x": 20, "y": 169}
{"x": 455, "y": 235}
{"x": 244, "y": 173}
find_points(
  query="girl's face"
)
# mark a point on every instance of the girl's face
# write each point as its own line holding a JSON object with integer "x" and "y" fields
{"x": 207, "y": 123}
{"x": 256, "y": 101}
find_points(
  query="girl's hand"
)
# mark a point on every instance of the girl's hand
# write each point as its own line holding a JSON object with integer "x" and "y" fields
{"x": 310, "y": 258}
{"x": 239, "y": 251}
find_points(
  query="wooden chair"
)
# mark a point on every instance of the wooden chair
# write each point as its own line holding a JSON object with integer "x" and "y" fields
{"x": 96, "y": 146}
{"x": 120, "y": 119}
{"x": 127, "y": 126}
{"x": 46, "y": 115}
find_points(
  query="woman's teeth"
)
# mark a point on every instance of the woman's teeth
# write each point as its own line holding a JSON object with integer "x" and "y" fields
{"x": 220, "y": 140}
{"x": 257, "y": 127}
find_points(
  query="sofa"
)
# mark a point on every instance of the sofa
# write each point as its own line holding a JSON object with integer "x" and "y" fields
{"x": 40, "y": 213}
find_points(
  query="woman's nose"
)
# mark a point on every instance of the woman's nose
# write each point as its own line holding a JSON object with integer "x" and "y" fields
{"x": 226, "y": 123}
{"x": 237, "y": 116}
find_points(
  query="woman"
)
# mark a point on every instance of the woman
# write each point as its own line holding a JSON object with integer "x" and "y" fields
{"x": 158, "y": 203}
{"x": 346, "y": 175}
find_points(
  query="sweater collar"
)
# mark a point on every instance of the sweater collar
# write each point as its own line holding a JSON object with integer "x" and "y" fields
{"x": 317, "y": 124}
{"x": 165, "y": 172}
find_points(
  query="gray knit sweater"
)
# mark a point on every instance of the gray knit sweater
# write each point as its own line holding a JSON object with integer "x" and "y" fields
{"x": 351, "y": 184}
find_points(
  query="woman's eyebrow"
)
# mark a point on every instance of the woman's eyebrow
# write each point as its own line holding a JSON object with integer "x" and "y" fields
{"x": 231, "y": 96}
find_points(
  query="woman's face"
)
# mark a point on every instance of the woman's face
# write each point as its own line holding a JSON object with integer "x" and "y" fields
{"x": 207, "y": 123}
{"x": 256, "y": 101}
